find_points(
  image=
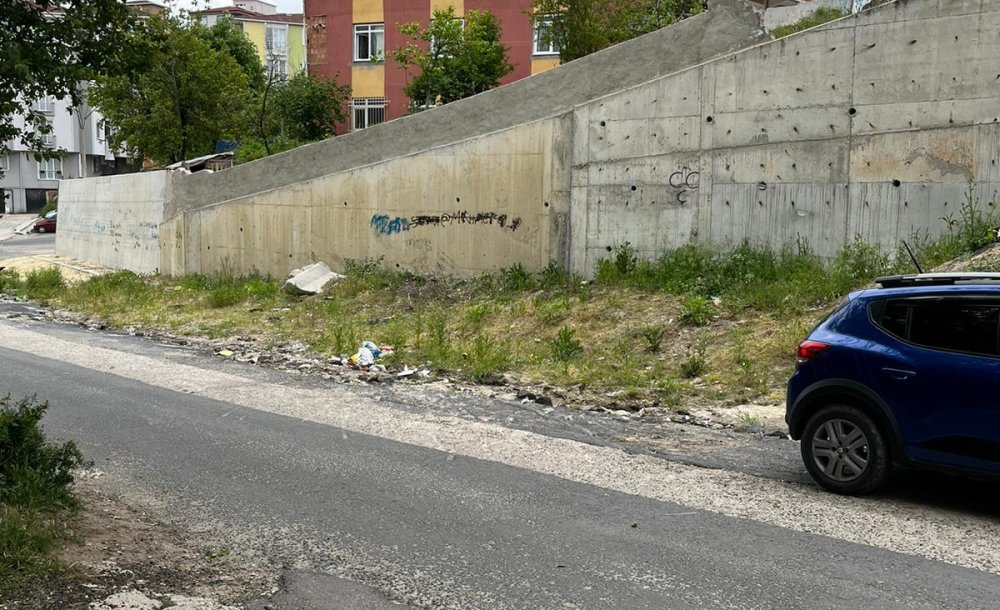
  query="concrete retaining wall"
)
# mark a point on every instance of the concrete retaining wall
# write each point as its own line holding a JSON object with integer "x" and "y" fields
{"x": 487, "y": 203}
{"x": 475, "y": 185}
{"x": 871, "y": 126}
{"x": 113, "y": 220}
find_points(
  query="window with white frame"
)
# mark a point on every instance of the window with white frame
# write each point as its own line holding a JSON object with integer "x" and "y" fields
{"x": 45, "y": 104}
{"x": 50, "y": 169}
{"x": 276, "y": 38}
{"x": 279, "y": 68}
{"x": 367, "y": 111}
{"x": 5, "y": 162}
{"x": 369, "y": 41}
{"x": 544, "y": 43}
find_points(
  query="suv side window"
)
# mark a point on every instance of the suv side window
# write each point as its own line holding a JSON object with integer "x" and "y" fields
{"x": 953, "y": 324}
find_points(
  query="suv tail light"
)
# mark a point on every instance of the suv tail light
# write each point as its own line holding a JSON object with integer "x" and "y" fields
{"x": 808, "y": 350}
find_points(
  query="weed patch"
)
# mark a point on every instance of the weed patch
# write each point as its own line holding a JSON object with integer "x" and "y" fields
{"x": 35, "y": 494}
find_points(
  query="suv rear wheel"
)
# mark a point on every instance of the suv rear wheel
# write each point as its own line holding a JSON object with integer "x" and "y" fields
{"x": 845, "y": 451}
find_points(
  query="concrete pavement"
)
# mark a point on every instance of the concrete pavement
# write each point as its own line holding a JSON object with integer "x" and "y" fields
{"x": 9, "y": 223}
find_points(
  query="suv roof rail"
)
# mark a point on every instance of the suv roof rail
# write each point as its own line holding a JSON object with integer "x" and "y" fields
{"x": 937, "y": 279}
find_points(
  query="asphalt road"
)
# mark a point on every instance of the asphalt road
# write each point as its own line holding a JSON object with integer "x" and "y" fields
{"x": 429, "y": 522}
{"x": 26, "y": 245}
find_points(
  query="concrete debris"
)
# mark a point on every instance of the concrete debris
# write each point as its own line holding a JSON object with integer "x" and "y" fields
{"x": 226, "y": 353}
{"x": 311, "y": 279}
{"x": 134, "y": 600}
{"x": 127, "y": 600}
{"x": 525, "y": 396}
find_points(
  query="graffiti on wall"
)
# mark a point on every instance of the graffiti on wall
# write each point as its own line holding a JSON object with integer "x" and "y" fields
{"x": 683, "y": 182}
{"x": 382, "y": 224}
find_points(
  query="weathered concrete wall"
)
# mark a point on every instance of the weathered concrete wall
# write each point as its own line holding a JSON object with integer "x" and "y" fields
{"x": 450, "y": 173}
{"x": 113, "y": 220}
{"x": 487, "y": 203}
{"x": 870, "y": 126}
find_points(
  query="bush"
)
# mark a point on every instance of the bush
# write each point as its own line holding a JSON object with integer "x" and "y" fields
{"x": 43, "y": 284}
{"x": 697, "y": 311}
{"x": 34, "y": 473}
{"x": 565, "y": 347}
{"x": 10, "y": 281}
{"x": 35, "y": 479}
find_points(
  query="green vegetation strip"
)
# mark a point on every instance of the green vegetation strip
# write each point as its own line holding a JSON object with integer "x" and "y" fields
{"x": 35, "y": 496}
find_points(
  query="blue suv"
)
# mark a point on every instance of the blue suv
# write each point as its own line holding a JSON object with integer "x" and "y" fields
{"x": 907, "y": 373}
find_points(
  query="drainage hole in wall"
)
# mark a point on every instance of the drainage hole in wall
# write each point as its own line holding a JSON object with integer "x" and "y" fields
{"x": 896, "y": 182}
{"x": 608, "y": 248}
{"x": 709, "y": 119}
{"x": 546, "y": 204}
{"x": 852, "y": 111}
{"x": 633, "y": 187}
{"x": 603, "y": 124}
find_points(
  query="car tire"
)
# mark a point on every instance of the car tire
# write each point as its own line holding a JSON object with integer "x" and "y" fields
{"x": 845, "y": 450}
{"x": 41, "y": 229}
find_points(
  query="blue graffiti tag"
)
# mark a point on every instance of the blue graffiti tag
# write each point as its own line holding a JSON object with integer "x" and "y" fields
{"x": 384, "y": 225}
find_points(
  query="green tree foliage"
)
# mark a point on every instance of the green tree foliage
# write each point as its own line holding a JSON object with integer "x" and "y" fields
{"x": 307, "y": 108}
{"x": 226, "y": 37}
{"x": 183, "y": 97}
{"x": 448, "y": 62}
{"x": 293, "y": 112}
{"x": 581, "y": 27}
{"x": 50, "y": 53}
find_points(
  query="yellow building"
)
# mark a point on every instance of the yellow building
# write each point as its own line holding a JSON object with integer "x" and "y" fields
{"x": 279, "y": 37}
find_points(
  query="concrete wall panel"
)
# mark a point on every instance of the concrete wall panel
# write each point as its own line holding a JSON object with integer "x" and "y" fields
{"x": 113, "y": 220}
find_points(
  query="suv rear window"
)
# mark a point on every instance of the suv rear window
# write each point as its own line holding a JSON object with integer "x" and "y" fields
{"x": 953, "y": 324}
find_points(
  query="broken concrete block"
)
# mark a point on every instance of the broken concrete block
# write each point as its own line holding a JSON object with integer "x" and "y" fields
{"x": 311, "y": 279}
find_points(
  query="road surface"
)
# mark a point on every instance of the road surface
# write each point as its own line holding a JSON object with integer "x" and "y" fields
{"x": 27, "y": 245}
{"x": 424, "y": 497}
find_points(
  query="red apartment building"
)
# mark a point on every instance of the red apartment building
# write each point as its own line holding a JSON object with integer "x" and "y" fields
{"x": 344, "y": 37}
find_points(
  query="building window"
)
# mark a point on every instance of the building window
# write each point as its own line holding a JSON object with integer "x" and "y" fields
{"x": 279, "y": 69}
{"x": 50, "y": 169}
{"x": 4, "y": 162}
{"x": 367, "y": 111}
{"x": 369, "y": 41}
{"x": 45, "y": 104}
{"x": 276, "y": 39}
{"x": 544, "y": 44}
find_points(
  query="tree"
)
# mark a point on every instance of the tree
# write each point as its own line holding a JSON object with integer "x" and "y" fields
{"x": 187, "y": 95}
{"x": 308, "y": 109}
{"x": 225, "y": 36}
{"x": 581, "y": 27}
{"x": 47, "y": 48}
{"x": 452, "y": 60}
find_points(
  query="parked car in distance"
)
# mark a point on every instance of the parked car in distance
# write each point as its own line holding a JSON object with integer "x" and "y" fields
{"x": 46, "y": 224}
{"x": 904, "y": 374}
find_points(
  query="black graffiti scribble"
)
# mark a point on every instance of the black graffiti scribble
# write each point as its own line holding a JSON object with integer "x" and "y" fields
{"x": 465, "y": 218}
{"x": 685, "y": 178}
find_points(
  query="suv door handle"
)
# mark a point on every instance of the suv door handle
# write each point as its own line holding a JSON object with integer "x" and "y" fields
{"x": 898, "y": 374}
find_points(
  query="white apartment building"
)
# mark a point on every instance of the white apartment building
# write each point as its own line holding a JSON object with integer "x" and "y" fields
{"x": 27, "y": 184}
